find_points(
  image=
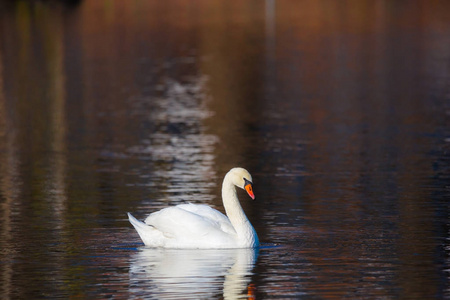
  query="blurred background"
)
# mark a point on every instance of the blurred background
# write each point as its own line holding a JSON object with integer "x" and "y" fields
{"x": 339, "y": 109}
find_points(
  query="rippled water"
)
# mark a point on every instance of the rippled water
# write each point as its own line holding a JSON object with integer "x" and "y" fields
{"x": 340, "y": 111}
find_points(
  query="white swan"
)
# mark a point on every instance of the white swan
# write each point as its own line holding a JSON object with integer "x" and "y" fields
{"x": 199, "y": 226}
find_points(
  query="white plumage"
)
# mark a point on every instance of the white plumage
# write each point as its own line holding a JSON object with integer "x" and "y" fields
{"x": 200, "y": 226}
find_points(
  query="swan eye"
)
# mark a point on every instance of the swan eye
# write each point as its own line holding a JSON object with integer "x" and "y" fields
{"x": 247, "y": 182}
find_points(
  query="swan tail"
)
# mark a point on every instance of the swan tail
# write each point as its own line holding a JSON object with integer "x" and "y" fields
{"x": 145, "y": 231}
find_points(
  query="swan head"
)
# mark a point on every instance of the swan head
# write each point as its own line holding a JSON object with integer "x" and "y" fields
{"x": 240, "y": 177}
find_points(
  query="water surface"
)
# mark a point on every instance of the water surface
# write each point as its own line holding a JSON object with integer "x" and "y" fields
{"x": 340, "y": 111}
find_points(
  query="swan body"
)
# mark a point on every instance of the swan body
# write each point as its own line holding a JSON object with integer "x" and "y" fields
{"x": 198, "y": 226}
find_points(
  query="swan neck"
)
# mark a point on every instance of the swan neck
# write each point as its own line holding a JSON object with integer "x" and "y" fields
{"x": 246, "y": 234}
{"x": 233, "y": 207}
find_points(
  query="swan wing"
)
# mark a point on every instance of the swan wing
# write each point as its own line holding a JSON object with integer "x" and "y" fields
{"x": 190, "y": 221}
{"x": 212, "y": 215}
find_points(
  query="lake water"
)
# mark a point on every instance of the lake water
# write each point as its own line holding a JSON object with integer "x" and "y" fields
{"x": 340, "y": 111}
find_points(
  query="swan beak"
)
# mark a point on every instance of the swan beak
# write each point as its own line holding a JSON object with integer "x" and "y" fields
{"x": 249, "y": 189}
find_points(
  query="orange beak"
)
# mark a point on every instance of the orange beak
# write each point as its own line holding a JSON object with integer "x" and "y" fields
{"x": 248, "y": 188}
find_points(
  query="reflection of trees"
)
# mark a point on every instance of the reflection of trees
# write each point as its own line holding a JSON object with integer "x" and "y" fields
{"x": 9, "y": 183}
{"x": 336, "y": 104}
{"x": 33, "y": 138}
{"x": 71, "y": 79}
{"x": 354, "y": 77}
{"x": 235, "y": 69}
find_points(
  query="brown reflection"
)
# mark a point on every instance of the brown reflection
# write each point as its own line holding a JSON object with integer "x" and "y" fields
{"x": 326, "y": 103}
{"x": 33, "y": 136}
{"x": 9, "y": 187}
{"x": 358, "y": 78}
{"x": 233, "y": 49}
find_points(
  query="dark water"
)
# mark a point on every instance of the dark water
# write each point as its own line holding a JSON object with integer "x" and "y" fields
{"x": 340, "y": 110}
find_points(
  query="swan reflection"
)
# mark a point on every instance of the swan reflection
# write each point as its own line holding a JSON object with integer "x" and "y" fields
{"x": 192, "y": 274}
